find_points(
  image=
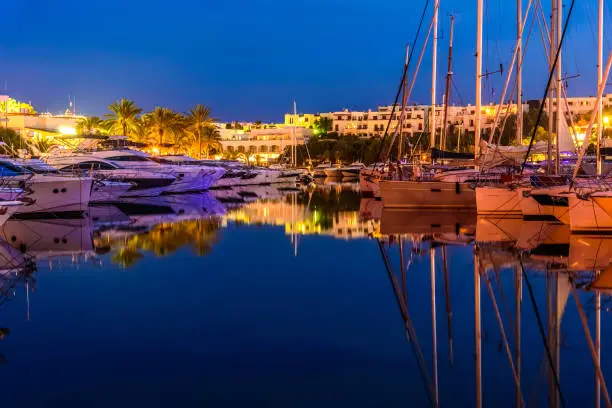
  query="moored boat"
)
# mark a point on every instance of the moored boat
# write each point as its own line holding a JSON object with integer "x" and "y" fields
{"x": 426, "y": 194}
{"x": 352, "y": 171}
{"x": 591, "y": 213}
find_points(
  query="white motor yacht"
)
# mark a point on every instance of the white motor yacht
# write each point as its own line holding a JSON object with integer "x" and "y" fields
{"x": 232, "y": 173}
{"x": 113, "y": 181}
{"x": 188, "y": 178}
{"x": 102, "y": 191}
{"x": 60, "y": 195}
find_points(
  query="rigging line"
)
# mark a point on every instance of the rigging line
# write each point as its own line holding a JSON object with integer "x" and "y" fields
{"x": 550, "y": 77}
{"x": 585, "y": 326}
{"x": 505, "y": 304}
{"x": 406, "y": 66}
{"x": 507, "y": 114}
{"x": 541, "y": 327}
{"x": 515, "y": 53}
{"x": 456, "y": 88}
{"x": 412, "y": 82}
{"x": 504, "y": 337}
{"x": 542, "y": 27}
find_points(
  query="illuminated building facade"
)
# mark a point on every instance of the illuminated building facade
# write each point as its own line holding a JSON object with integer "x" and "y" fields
{"x": 416, "y": 119}
{"x": 262, "y": 144}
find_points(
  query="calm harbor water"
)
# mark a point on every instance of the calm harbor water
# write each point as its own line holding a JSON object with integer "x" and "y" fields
{"x": 299, "y": 299}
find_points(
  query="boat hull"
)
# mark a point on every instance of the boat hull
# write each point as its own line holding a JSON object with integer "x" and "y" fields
{"x": 51, "y": 194}
{"x": 499, "y": 202}
{"x": 551, "y": 203}
{"x": 592, "y": 214}
{"x": 426, "y": 194}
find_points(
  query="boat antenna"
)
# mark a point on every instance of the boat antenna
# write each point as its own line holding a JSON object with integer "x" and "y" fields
{"x": 550, "y": 77}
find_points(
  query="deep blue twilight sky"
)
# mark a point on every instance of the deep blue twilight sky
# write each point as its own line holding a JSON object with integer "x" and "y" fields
{"x": 248, "y": 59}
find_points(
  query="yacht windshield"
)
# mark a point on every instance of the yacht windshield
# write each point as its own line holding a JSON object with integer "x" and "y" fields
{"x": 128, "y": 158}
{"x": 10, "y": 169}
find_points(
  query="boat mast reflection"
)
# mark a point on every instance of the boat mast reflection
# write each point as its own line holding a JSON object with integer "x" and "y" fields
{"x": 572, "y": 266}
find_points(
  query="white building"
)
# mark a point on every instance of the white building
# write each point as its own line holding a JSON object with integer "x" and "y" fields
{"x": 263, "y": 144}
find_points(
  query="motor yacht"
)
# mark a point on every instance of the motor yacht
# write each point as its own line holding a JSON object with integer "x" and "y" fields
{"x": 188, "y": 178}
{"x": 61, "y": 195}
{"x": 101, "y": 191}
{"x": 113, "y": 181}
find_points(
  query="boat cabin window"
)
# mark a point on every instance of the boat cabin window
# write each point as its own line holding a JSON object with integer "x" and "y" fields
{"x": 91, "y": 165}
{"x": 128, "y": 158}
{"x": 159, "y": 160}
{"x": 9, "y": 169}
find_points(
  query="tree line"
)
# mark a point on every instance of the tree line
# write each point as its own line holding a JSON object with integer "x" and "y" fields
{"x": 194, "y": 132}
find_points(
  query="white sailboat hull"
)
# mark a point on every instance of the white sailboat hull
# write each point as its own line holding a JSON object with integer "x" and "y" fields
{"x": 551, "y": 203}
{"x": 593, "y": 214}
{"x": 499, "y": 201}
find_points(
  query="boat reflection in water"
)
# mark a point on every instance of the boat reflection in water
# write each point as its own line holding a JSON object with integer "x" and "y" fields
{"x": 513, "y": 265}
{"x": 496, "y": 312}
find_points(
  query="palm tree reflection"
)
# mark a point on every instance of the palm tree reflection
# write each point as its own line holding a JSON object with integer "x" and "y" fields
{"x": 163, "y": 240}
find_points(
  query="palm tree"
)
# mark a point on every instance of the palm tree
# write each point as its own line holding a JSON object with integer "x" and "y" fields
{"x": 89, "y": 125}
{"x": 43, "y": 145}
{"x": 198, "y": 119}
{"x": 164, "y": 121}
{"x": 123, "y": 117}
{"x": 210, "y": 139}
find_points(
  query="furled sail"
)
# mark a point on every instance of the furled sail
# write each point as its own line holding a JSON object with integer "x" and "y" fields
{"x": 494, "y": 155}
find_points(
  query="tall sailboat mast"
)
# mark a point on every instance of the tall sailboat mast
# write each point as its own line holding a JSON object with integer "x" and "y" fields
{"x": 449, "y": 74}
{"x": 519, "y": 72}
{"x": 293, "y": 141}
{"x": 434, "y": 62}
{"x": 400, "y": 124}
{"x": 553, "y": 45}
{"x": 600, "y": 21}
{"x": 478, "y": 79}
{"x": 560, "y": 115}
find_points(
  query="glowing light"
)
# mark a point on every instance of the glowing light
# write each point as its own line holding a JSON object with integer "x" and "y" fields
{"x": 67, "y": 130}
{"x": 155, "y": 150}
{"x": 606, "y": 120}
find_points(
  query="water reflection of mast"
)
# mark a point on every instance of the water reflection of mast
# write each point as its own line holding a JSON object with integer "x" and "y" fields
{"x": 518, "y": 286}
{"x": 434, "y": 327}
{"x": 592, "y": 348}
{"x": 477, "y": 332}
{"x": 449, "y": 311}
{"x": 410, "y": 330}
{"x": 597, "y": 341}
